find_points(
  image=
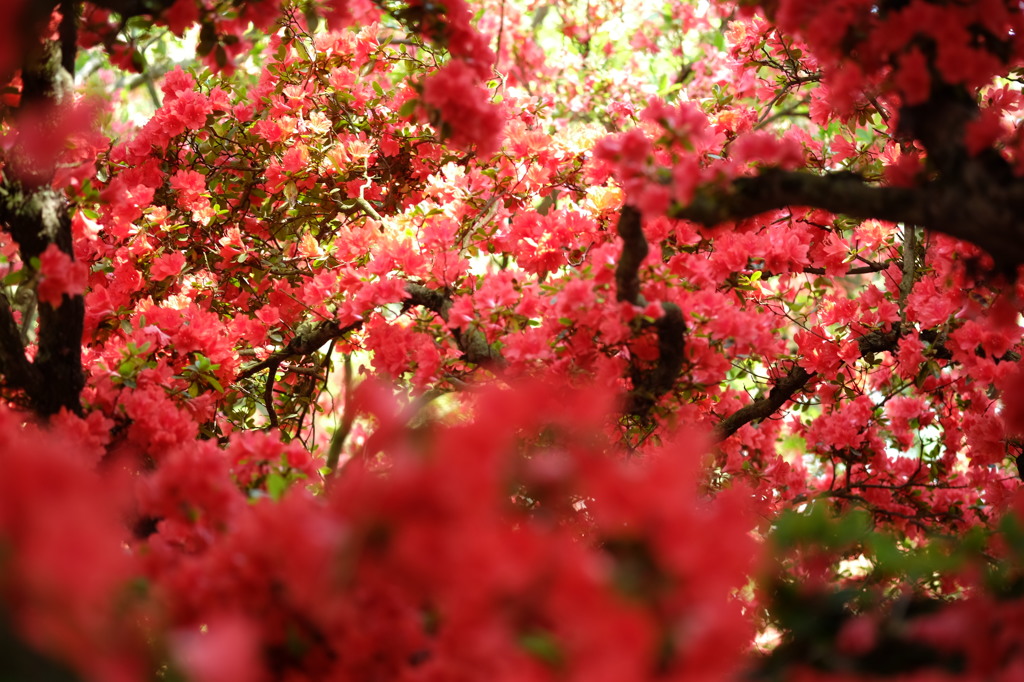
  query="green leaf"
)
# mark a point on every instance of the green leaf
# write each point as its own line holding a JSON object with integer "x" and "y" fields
{"x": 887, "y": 554}
{"x": 220, "y": 55}
{"x": 276, "y": 486}
{"x": 408, "y": 108}
{"x": 543, "y": 646}
{"x": 16, "y": 277}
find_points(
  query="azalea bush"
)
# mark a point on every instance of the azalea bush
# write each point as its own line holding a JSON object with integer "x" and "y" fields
{"x": 442, "y": 341}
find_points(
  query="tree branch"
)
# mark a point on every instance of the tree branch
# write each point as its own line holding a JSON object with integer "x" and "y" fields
{"x": 347, "y": 419}
{"x": 135, "y": 8}
{"x": 649, "y": 383}
{"x": 305, "y": 342}
{"x": 794, "y": 380}
{"x": 37, "y": 215}
{"x": 975, "y": 207}
{"x": 772, "y": 189}
{"x": 68, "y": 32}
{"x": 859, "y": 270}
{"x": 634, "y": 250}
{"x": 762, "y": 408}
{"x": 16, "y": 368}
{"x": 473, "y": 344}
{"x": 268, "y": 393}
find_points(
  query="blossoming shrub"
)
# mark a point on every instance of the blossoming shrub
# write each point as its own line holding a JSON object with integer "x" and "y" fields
{"x": 517, "y": 544}
{"x": 499, "y": 340}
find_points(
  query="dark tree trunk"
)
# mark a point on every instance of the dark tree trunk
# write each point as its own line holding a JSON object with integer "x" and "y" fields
{"x": 36, "y": 216}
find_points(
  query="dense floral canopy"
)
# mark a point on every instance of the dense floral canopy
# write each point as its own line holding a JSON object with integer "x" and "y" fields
{"x": 494, "y": 340}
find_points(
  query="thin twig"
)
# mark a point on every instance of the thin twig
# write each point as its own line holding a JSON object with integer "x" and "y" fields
{"x": 347, "y": 418}
{"x": 268, "y": 393}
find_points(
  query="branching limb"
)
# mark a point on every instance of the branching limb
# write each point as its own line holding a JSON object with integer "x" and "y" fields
{"x": 134, "y": 8}
{"x": 976, "y": 208}
{"x": 649, "y": 383}
{"x": 311, "y": 339}
{"x": 910, "y": 248}
{"x": 431, "y": 299}
{"x": 762, "y": 408}
{"x": 37, "y": 216}
{"x": 790, "y": 384}
{"x": 859, "y": 270}
{"x": 368, "y": 208}
{"x": 305, "y": 342}
{"x": 68, "y": 32}
{"x": 634, "y": 250}
{"x": 348, "y": 416}
{"x": 473, "y": 343}
{"x": 16, "y": 368}
{"x": 772, "y": 189}
{"x": 268, "y": 393}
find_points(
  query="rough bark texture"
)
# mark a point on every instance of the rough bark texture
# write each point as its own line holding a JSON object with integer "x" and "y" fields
{"x": 789, "y": 385}
{"x": 36, "y": 215}
{"x": 473, "y": 344}
{"x": 974, "y": 197}
{"x": 650, "y": 382}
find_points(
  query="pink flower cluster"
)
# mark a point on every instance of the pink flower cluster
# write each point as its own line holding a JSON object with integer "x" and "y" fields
{"x": 467, "y": 116}
{"x": 60, "y": 275}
